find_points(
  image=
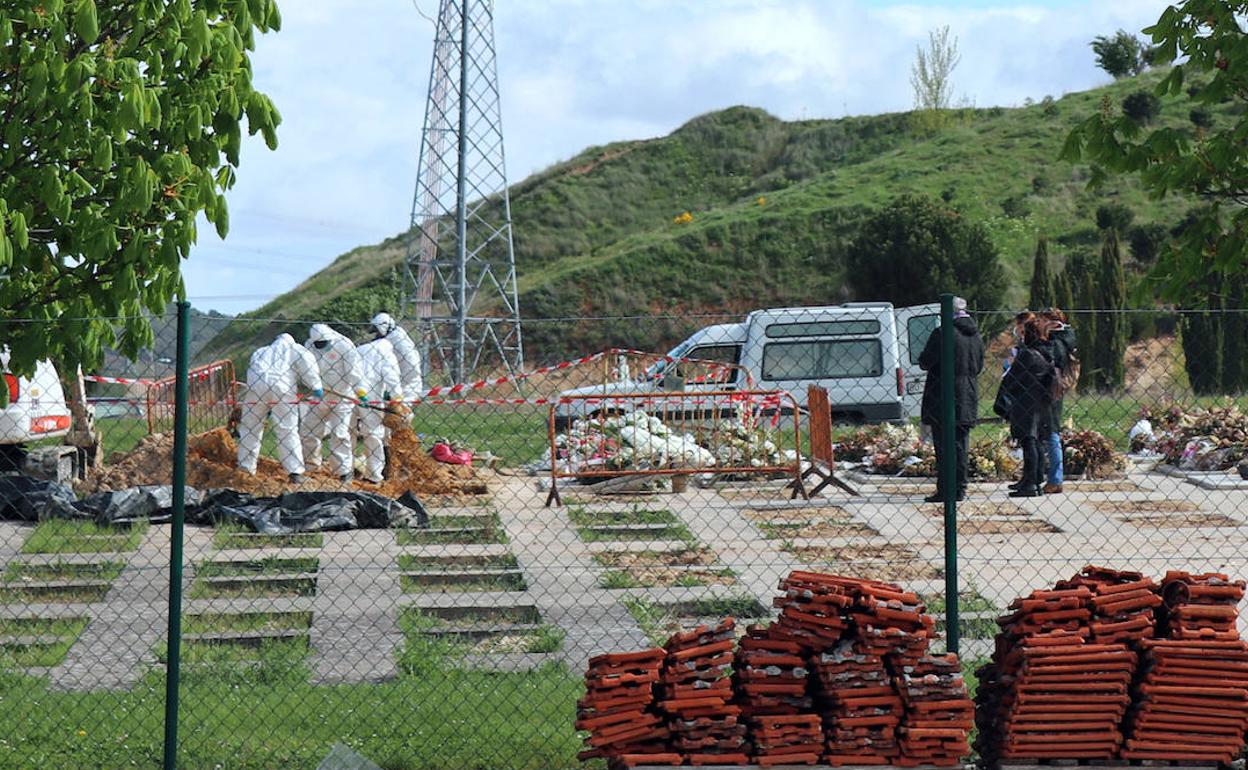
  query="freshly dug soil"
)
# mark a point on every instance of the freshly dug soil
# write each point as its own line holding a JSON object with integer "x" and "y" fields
{"x": 212, "y": 464}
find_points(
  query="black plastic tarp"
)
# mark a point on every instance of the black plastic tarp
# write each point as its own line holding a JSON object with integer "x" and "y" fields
{"x": 28, "y": 499}
{"x": 307, "y": 511}
{"x": 126, "y": 506}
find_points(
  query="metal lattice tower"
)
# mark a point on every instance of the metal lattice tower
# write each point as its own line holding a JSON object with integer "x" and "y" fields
{"x": 460, "y": 274}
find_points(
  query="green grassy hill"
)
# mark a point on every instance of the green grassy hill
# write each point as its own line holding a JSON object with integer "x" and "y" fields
{"x": 774, "y": 208}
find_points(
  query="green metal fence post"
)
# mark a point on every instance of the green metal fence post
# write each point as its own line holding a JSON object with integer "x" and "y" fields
{"x": 174, "y": 637}
{"x": 948, "y": 470}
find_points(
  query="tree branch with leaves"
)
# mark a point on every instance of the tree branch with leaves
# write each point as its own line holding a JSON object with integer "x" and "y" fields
{"x": 121, "y": 121}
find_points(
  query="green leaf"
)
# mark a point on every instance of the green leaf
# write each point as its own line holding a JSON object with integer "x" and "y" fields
{"x": 20, "y": 234}
{"x": 222, "y": 220}
{"x": 86, "y": 25}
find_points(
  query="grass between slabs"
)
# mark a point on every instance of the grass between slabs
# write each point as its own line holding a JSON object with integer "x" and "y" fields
{"x": 213, "y": 622}
{"x": 74, "y": 536}
{"x": 425, "y": 651}
{"x": 269, "y": 565}
{"x": 263, "y": 578}
{"x": 969, "y": 600}
{"x": 458, "y": 562}
{"x": 425, "y": 578}
{"x": 231, "y": 537}
{"x": 18, "y": 652}
{"x": 659, "y": 621}
{"x": 453, "y": 530}
{"x": 19, "y": 571}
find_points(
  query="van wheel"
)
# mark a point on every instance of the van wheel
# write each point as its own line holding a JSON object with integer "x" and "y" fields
{"x": 12, "y": 458}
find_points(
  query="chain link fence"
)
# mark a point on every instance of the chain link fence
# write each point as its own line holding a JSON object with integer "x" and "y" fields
{"x": 422, "y": 573}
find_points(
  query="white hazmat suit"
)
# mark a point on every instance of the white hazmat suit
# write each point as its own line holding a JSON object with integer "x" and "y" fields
{"x": 381, "y": 381}
{"x": 404, "y": 351}
{"x": 273, "y": 377}
{"x": 343, "y": 379}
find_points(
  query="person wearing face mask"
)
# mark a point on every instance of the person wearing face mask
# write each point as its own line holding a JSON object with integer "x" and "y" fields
{"x": 273, "y": 378}
{"x": 343, "y": 378}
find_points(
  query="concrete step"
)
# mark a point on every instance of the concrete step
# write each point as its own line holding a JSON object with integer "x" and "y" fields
{"x": 477, "y": 633}
{"x": 246, "y": 638}
{"x": 513, "y": 578}
{"x": 237, "y": 581}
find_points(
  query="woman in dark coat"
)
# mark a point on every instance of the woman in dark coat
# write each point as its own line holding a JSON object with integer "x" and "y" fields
{"x": 968, "y": 362}
{"x": 1027, "y": 387}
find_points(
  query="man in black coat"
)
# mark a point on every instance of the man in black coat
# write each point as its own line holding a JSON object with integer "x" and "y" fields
{"x": 968, "y": 362}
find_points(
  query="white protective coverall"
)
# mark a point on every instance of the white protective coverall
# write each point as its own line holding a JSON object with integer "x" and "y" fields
{"x": 273, "y": 377}
{"x": 405, "y": 351}
{"x": 381, "y": 377}
{"x": 343, "y": 377}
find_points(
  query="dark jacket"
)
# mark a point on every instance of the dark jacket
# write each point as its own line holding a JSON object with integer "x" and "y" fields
{"x": 968, "y": 362}
{"x": 1027, "y": 386}
{"x": 1062, "y": 346}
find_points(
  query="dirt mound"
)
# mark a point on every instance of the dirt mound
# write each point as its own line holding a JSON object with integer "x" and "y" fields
{"x": 150, "y": 462}
{"x": 212, "y": 464}
{"x": 409, "y": 468}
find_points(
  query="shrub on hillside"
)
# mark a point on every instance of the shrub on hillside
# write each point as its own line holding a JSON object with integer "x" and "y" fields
{"x": 1141, "y": 106}
{"x": 1114, "y": 216}
{"x": 915, "y": 248}
{"x": 1201, "y": 117}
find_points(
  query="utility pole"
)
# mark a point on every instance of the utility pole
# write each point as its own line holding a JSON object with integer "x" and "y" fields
{"x": 459, "y": 279}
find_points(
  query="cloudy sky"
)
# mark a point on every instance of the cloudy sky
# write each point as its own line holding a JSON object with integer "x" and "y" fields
{"x": 350, "y": 78}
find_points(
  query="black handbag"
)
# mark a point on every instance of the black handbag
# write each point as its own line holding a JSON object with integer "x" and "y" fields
{"x": 1001, "y": 404}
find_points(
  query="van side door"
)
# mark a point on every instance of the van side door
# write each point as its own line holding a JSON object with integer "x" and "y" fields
{"x": 914, "y": 325}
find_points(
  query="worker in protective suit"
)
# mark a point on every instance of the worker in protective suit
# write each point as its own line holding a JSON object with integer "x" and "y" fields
{"x": 343, "y": 378}
{"x": 273, "y": 377}
{"x": 405, "y": 351}
{"x": 382, "y": 385}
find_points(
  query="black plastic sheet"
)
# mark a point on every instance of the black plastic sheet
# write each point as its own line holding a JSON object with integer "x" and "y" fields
{"x": 306, "y": 511}
{"x": 27, "y": 499}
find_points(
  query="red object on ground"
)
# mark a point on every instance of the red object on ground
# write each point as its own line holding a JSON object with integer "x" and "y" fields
{"x": 443, "y": 453}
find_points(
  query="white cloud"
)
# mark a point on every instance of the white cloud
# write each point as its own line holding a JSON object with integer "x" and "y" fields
{"x": 350, "y": 80}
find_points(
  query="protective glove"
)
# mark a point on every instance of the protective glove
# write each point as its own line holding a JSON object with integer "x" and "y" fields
{"x": 318, "y": 394}
{"x": 385, "y": 396}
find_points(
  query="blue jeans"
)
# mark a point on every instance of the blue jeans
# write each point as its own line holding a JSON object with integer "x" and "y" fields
{"x": 1054, "y": 449}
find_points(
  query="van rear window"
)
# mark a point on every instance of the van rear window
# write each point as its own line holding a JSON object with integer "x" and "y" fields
{"x": 822, "y": 360}
{"x": 823, "y": 328}
{"x": 918, "y": 329}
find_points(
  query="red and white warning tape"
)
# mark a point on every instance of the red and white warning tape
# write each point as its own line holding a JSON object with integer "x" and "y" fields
{"x": 465, "y": 387}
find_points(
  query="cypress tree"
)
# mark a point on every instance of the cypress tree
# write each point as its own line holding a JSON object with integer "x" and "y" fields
{"x": 1085, "y": 327}
{"x": 1111, "y": 326}
{"x": 1063, "y": 294}
{"x": 1234, "y": 339}
{"x": 1041, "y": 279}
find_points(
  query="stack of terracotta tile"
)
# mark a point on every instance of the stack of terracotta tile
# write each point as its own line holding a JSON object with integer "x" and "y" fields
{"x": 786, "y": 739}
{"x": 1067, "y": 699}
{"x": 891, "y": 623}
{"x": 1122, "y": 604}
{"x": 860, "y": 708}
{"x": 812, "y": 610}
{"x": 770, "y": 674}
{"x": 1192, "y": 704}
{"x": 1200, "y": 606}
{"x": 695, "y": 691}
{"x": 1044, "y": 612}
{"x": 618, "y": 710}
{"x": 938, "y": 713}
